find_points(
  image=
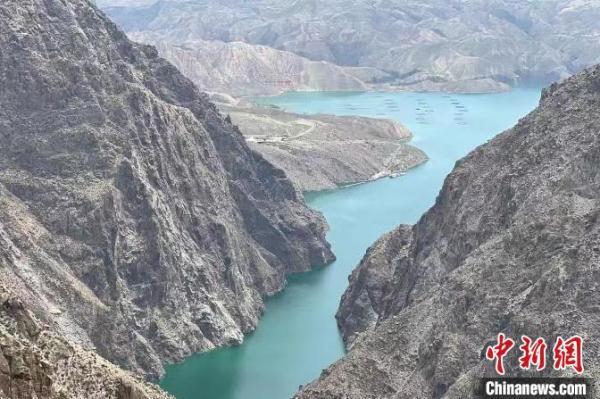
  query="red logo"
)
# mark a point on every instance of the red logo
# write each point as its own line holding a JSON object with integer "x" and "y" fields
{"x": 498, "y": 351}
{"x": 533, "y": 354}
{"x": 566, "y": 353}
{"x": 569, "y": 353}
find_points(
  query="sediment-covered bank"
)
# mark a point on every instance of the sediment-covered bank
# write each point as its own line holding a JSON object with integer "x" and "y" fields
{"x": 319, "y": 152}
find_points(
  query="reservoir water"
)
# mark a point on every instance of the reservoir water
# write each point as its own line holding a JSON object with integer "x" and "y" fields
{"x": 297, "y": 336}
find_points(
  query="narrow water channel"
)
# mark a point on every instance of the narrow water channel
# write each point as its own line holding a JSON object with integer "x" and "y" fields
{"x": 298, "y": 337}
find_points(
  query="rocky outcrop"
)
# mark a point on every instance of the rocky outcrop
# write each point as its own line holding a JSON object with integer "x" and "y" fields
{"x": 446, "y": 45}
{"x": 37, "y": 363}
{"x": 511, "y": 245}
{"x": 243, "y": 69}
{"x": 134, "y": 218}
{"x": 319, "y": 152}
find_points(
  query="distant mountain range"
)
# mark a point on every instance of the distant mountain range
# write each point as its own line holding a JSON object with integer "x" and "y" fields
{"x": 244, "y": 69}
{"x": 449, "y": 45}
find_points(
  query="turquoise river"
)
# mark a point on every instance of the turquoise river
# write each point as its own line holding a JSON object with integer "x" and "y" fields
{"x": 297, "y": 336}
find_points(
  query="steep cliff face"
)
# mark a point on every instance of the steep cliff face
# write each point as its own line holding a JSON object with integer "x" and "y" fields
{"x": 512, "y": 245}
{"x": 134, "y": 218}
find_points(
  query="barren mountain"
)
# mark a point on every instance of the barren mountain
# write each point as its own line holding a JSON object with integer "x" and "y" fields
{"x": 452, "y": 45}
{"x": 243, "y": 69}
{"x": 511, "y": 245}
{"x": 134, "y": 219}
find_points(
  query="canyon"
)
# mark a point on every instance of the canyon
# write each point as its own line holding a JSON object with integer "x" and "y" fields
{"x": 269, "y": 47}
{"x": 143, "y": 220}
{"x": 511, "y": 246}
{"x": 317, "y": 153}
{"x": 299, "y": 326}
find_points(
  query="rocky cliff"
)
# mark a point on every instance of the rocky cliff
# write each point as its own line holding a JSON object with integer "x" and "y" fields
{"x": 134, "y": 219}
{"x": 511, "y": 245}
{"x": 454, "y": 45}
{"x": 35, "y": 362}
